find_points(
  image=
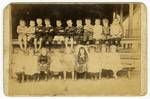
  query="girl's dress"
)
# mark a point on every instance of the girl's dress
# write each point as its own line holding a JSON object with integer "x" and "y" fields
{"x": 94, "y": 62}
{"x": 81, "y": 63}
{"x": 31, "y": 64}
{"x": 68, "y": 62}
{"x": 18, "y": 63}
{"x": 56, "y": 62}
{"x": 44, "y": 63}
{"x": 111, "y": 61}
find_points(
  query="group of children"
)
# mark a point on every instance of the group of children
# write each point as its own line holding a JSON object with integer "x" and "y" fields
{"x": 39, "y": 36}
{"x": 80, "y": 61}
{"x": 83, "y": 62}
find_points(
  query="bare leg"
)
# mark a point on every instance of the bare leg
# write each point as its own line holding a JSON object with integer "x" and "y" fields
{"x": 59, "y": 77}
{"x": 75, "y": 75}
{"x": 35, "y": 44}
{"x": 23, "y": 78}
{"x": 20, "y": 38}
{"x": 129, "y": 75}
{"x": 20, "y": 44}
{"x": 100, "y": 76}
{"x": 95, "y": 76}
{"x": 46, "y": 75}
{"x": 71, "y": 39}
{"x": 64, "y": 73}
{"x": 115, "y": 74}
{"x": 66, "y": 42}
{"x": 25, "y": 45}
{"x": 40, "y": 44}
{"x": 72, "y": 75}
{"x": 25, "y": 42}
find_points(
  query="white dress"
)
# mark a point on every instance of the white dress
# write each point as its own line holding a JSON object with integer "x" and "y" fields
{"x": 68, "y": 62}
{"x": 103, "y": 58}
{"x": 18, "y": 62}
{"x": 111, "y": 61}
{"x": 56, "y": 62}
{"x": 31, "y": 64}
{"x": 94, "y": 62}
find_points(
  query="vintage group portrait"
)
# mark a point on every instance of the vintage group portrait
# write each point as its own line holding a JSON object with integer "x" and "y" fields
{"x": 75, "y": 49}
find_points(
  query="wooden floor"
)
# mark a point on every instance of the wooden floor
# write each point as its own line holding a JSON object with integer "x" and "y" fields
{"x": 120, "y": 86}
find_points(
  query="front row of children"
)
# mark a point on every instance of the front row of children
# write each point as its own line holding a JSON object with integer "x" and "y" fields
{"x": 40, "y": 36}
{"x": 78, "y": 63}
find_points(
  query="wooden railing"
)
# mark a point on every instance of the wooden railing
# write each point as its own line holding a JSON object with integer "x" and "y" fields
{"x": 131, "y": 43}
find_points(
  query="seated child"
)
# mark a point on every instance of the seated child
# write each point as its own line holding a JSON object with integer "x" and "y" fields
{"x": 88, "y": 31}
{"x": 22, "y": 30}
{"x": 38, "y": 34}
{"x": 48, "y": 33}
{"x": 44, "y": 64}
{"x": 79, "y": 32}
{"x": 70, "y": 32}
{"x": 59, "y": 33}
{"x": 97, "y": 31}
{"x": 116, "y": 32}
{"x": 106, "y": 33}
{"x": 31, "y": 33}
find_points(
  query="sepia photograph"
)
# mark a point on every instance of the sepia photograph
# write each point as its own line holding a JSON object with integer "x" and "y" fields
{"x": 75, "y": 49}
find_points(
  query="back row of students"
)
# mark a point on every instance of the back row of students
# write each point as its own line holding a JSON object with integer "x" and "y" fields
{"x": 40, "y": 35}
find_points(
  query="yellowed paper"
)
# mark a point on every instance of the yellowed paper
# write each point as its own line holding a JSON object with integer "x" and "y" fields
{"x": 75, "y": 49}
